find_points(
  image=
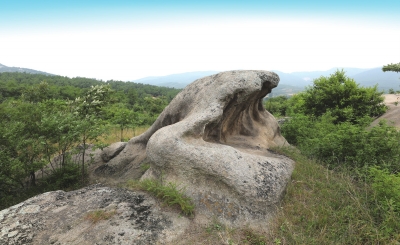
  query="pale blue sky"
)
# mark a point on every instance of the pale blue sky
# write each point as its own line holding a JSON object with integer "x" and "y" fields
{"x": 127, "y": 40}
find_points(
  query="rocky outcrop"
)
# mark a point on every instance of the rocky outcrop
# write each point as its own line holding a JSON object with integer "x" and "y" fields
{"x": 123, "y": 217}
{"x": 214, "y": 139}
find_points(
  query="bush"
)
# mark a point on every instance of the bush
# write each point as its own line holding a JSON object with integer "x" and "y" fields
{"x": 343, "y": 97}
{"x": 277, "y": 105}
{"x": 345, "y": 144}
{"x": 387, "y": 199}
{"x": 64, "y": 177}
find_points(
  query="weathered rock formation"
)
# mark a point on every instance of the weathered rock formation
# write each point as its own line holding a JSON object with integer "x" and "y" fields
{"x": 213, "y": 139}
{"x": 60, "y": 217}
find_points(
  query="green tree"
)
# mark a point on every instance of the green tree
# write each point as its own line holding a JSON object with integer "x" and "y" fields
{"x": 123, "y": 117}
{"x": 89, "y": 115}
{"x": 277, "y": 105}
{"x": 21, "y": 139}
{"x": 391, "y": 67}
{"x": 343, "y": 97}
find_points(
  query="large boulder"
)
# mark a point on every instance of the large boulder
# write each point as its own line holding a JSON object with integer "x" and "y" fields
{"x": 92, "y": 215}
{"x": 213, "y": 139}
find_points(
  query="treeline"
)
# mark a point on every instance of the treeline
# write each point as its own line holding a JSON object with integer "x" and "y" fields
{"x": 145, "y": 100}
{"x": 330, "y": 122}
{"x": 43, "y": 117}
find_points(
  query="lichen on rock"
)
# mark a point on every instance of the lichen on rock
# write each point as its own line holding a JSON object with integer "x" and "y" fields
{"x": 214, "y": 140}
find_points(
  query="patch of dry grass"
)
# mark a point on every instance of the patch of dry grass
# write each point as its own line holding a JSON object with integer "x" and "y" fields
{"x": 114, "y": 134}
{"x": 99, "y": 215}
{"x": 217, "y": 233}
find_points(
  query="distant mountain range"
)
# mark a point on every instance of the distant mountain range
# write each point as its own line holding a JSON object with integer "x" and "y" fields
{"x": 4, "y": 68}
{"x": 289, "y": 82}
{"x": 175, "y": 80}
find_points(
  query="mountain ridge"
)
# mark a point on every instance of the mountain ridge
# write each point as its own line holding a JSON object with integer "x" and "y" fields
{"x": 299, "y": 80}
{"x": 4, "y": 68}
{"x": 290, "y": 83}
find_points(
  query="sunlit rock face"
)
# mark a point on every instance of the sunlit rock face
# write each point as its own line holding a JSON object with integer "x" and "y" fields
{"x": 92, "y": 215}
{"x": 213, "y": 139}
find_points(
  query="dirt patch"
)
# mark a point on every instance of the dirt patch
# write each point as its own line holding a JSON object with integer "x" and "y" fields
{"x": 392, "y": 115}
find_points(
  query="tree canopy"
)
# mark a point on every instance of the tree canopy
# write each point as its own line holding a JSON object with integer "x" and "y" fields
{"x": 343, "y": 98}
{"x": 391, "y": 67}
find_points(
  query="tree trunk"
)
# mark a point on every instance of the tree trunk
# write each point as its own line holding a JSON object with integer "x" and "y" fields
{"x": 83, "y": 160}
{"x": 33, "y": 178}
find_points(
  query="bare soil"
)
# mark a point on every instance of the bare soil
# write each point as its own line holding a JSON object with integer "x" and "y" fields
{"x": 392, "y": 115}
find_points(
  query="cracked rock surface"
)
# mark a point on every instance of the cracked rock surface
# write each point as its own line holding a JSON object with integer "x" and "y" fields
{"x": 60, "y": 217}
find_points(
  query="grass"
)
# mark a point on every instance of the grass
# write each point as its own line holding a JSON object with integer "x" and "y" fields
{"x": 114, "y": 134}
{"x": 144, "y": 167}
{"x": 99, "y": 215}
{"x": 326, "y": 207}
{"x": 320, "y": 206}
{"x": 169, "y": 194}
{"x": 217, "y": 233}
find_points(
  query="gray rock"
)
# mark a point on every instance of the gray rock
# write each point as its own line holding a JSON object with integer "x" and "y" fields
{"x": 111, "y": 151}
{"x": 213, "y": 139}
{"x": 62, "y": 218}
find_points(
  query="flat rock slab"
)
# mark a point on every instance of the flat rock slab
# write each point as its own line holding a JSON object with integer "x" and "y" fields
{"x": 60, "y": 217}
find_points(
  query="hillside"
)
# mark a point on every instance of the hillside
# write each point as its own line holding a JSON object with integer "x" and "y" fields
{"x": 4, "y": 68}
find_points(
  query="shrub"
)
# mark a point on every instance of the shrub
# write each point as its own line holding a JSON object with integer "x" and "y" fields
{"x": 345, "y": 144}
{"x": 387, "y": 200}
{"x": 343, "y": 97}
{"x": 277, "y": 105}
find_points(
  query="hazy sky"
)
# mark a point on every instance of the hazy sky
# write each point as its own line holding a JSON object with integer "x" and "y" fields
{"x": 126, "y": 40}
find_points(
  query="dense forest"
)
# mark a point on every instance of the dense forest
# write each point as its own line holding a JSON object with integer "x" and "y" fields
{"x": 47, "y": 116}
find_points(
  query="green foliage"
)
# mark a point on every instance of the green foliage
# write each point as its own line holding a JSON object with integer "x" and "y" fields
{"x": 391, "y": 67}
{"x": 253, "y": 238}
{"x": 50, "y": 117}
{"x": 88, "y": 113}
{"x": 170, "y": 194}
{"x": 144, "y": 167}
{"x": 343, "y": 97}
{"x": 68, "y": 176}
{"x": 123, "y": 117}
{"x": 386, "y": 186}
{"x": 330, "y": 125}
{"x": 277, "y": 105}
{"x": 285, "y": 106}
{"x": 345, "y": 145}
{"x": 215, "y": 226}
{"x": 322, "y": 206}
